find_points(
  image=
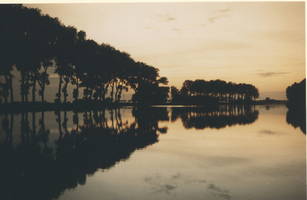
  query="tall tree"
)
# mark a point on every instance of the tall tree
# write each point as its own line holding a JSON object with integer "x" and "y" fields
{"x": 65, "y": 57}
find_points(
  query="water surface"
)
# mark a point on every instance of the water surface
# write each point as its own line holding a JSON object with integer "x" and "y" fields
{"x": 229, "y": 152}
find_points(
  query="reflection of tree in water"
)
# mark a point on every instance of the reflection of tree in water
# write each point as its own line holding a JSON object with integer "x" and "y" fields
{"x": 148, "y": 117}
{"x": 32, "y": 171}
{"x": 215, "y": 117}
{"x": 296, "y": 116}
{"x": 8, "y": 128}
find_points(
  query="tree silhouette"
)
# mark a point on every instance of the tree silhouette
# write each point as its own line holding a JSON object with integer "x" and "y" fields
{"x": 146, "y": 85}
{"x": 296, "y": 93}
{"x": 80, "y": 67}
{"x": 48, "y": 39}
{"x": 5, "y": 70}
{"x": 65, "y": 57}
{"x": 175, "y": 93}
{"x": 296, "y": 115}
{"x": 33, "y": 42}
{"x": 213, "y": 91}
{"x": 124, "y": 75}
{"x": 43, "y": 79}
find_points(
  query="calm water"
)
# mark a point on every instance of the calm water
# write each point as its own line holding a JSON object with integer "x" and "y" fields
{"x": 155, "y": 153}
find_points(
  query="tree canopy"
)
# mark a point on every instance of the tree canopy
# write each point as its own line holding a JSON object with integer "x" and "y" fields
{"x": 201, "y": 91}
{"x": 33, "y": 42}
{"x": 296, "y": 93}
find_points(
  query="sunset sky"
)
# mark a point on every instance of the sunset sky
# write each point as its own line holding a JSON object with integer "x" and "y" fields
{"x": 258, "y": 43}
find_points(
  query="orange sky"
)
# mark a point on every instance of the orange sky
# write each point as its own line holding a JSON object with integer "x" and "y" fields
{"x": 258, "y": 43}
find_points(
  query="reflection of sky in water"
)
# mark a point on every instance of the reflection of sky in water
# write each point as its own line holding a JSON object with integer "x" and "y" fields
{"x": 262, "y": 160}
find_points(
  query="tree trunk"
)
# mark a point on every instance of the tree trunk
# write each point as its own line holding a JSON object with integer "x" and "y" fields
{"x": 104, "y": 92}
{"x": 112, "y": 92}
{"x": 43, "y": 85}
{"x": 65, "y": 91}
{"x": 6, "y": 87}
{"x": 22, "y": 87}
{"x": 116, "y": 92}
{"x": 87, "y": 91}
{"x": 77, "y": 95}
{"x": 119, "y": 95}
{"x": 91, "y": 94}
{"x": 43, "y": 93}
{"x": 59, "y": 91}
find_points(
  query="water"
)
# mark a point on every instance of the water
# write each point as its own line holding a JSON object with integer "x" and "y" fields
{"x": 157, "y": 153}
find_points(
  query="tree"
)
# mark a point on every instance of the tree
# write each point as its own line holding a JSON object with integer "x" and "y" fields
{"x": 175, "y": 94}
{"x": 11, "y": 35}
{"x": 90, "y": 67}
{"x": 80, "y": 65}
{"x": 43, "y": 79}
{"x": 65, "y": 57}
{"x": 47, "y": 41}
{"x": 186, "y": 88}
{"x": 150, "y": 93}
{"x": 5, "y": 70}
{"x": 296, "y": 93}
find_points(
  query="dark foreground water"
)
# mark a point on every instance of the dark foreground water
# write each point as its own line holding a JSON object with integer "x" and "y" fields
{"x": 153, "y": 153}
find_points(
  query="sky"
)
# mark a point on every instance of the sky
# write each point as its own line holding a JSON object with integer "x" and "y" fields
{"x": 259, "y": 43}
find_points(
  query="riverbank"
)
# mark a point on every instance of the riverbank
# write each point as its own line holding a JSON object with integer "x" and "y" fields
{"x": 18, "y": 107}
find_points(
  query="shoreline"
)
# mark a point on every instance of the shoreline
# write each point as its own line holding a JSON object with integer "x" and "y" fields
{"x": 19, "y": 107}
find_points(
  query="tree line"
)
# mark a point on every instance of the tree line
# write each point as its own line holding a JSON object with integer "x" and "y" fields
{"x": 33, "y": 42}
{"x": 213, "y": 91}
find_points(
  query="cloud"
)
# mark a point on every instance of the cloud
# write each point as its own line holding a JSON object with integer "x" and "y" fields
{"x": 177, "y": 176}
{"x": 201, "y": 25}
{"x": 213, "y": 19}
{"x": 267, "y": 131}
{"x": 176, "y": 29}
{"x": 147, "y": 179}
{"x": 222, "y": 13}
{"x": 152, "y": 28}
{"x": 270, "y": 74}
{"x": 224, "y": 10}
{"x": 219, "y": 192}
{"x": 167, "y": 188}
{"x": 227, "y": 45}
{"x": 166, "y": 18}
{"x": 281, "y": 36}
{"x": 167, "y": 22}
{"x": 200, "y": 181}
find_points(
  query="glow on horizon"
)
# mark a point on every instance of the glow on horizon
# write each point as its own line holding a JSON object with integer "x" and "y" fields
{"x": 260, "y": 43}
